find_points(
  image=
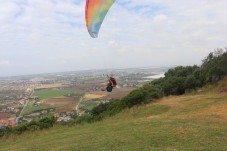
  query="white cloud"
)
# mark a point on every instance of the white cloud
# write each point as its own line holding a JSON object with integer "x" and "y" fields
{"x": 160, "y": 19}
{"x": 8, "y": 10}
{"x": 47, "y": 35}
{"x": 4, "y": 63}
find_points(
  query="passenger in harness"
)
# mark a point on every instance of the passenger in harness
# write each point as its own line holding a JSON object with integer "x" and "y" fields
{"x": 111, "y": 84}
{"x": 112, "y": 81}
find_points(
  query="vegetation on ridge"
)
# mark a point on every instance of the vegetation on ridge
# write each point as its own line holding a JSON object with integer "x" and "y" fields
{"x": 177, "y": 81}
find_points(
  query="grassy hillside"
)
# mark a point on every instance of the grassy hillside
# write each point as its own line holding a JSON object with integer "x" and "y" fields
{"x": 196, "y": 121}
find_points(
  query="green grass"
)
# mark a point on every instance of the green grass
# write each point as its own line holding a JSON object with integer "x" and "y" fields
{"x": 188, "y": 122}
{"x": 45, "y": 94}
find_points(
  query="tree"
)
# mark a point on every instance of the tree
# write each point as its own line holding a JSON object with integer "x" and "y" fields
{"x": 191, "y": 82}
{"x": 214, "y": 66}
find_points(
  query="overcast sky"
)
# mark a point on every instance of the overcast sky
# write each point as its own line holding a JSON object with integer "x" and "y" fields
{"x": 39, "y": 36}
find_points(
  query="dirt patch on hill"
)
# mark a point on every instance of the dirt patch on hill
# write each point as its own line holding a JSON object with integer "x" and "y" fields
{"x": 223, "y": 90}
{"x": 214, "y": 110}
{"x": 172, "y": 101}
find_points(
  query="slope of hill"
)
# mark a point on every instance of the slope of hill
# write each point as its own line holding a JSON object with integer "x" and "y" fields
{"x": 196, "y": 121}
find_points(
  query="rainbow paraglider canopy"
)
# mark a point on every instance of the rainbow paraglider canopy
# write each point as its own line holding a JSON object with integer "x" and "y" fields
{"x": 95, "y": 13}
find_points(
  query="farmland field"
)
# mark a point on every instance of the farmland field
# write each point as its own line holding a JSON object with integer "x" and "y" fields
{"x": 59, "y": 101}
{"x": 66, "y": 108}
{"x": 65, "y": 104}
{"x": 45, "y": 94}
{"x": 88, "y": 105}
{"x": 91, "y": 96}
{"x": 30, "y": 108}
{"x": 52, "y": 99}
{"x": 49, "y": 86}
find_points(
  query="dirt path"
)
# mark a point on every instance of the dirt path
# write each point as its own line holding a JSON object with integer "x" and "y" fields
{"x": 23, "y": 108}
{"x": 77, "y": 106}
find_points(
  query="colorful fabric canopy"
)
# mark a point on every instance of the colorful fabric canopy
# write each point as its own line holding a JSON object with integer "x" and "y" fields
{"x": 95, "y": 13}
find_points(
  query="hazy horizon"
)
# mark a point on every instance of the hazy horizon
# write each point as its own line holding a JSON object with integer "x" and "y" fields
{"x": 46, "y": 36}
{"x": 105, "y": 71}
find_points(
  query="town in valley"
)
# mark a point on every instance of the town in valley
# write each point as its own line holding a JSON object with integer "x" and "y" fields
{"x": 23, "y": 98}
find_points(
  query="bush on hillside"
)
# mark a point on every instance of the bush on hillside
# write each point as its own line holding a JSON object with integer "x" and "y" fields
{"x": 181, "y": 79}
{"x": 36, "y": 124}
{"x": 140, "y": 96}
{"x": 5, "y": 131}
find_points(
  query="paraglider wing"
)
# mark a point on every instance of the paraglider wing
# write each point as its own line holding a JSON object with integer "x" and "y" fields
{"x": 95, "y": 12}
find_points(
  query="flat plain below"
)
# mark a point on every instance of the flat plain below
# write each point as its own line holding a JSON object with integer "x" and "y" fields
{"x": 196, "y": 121}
